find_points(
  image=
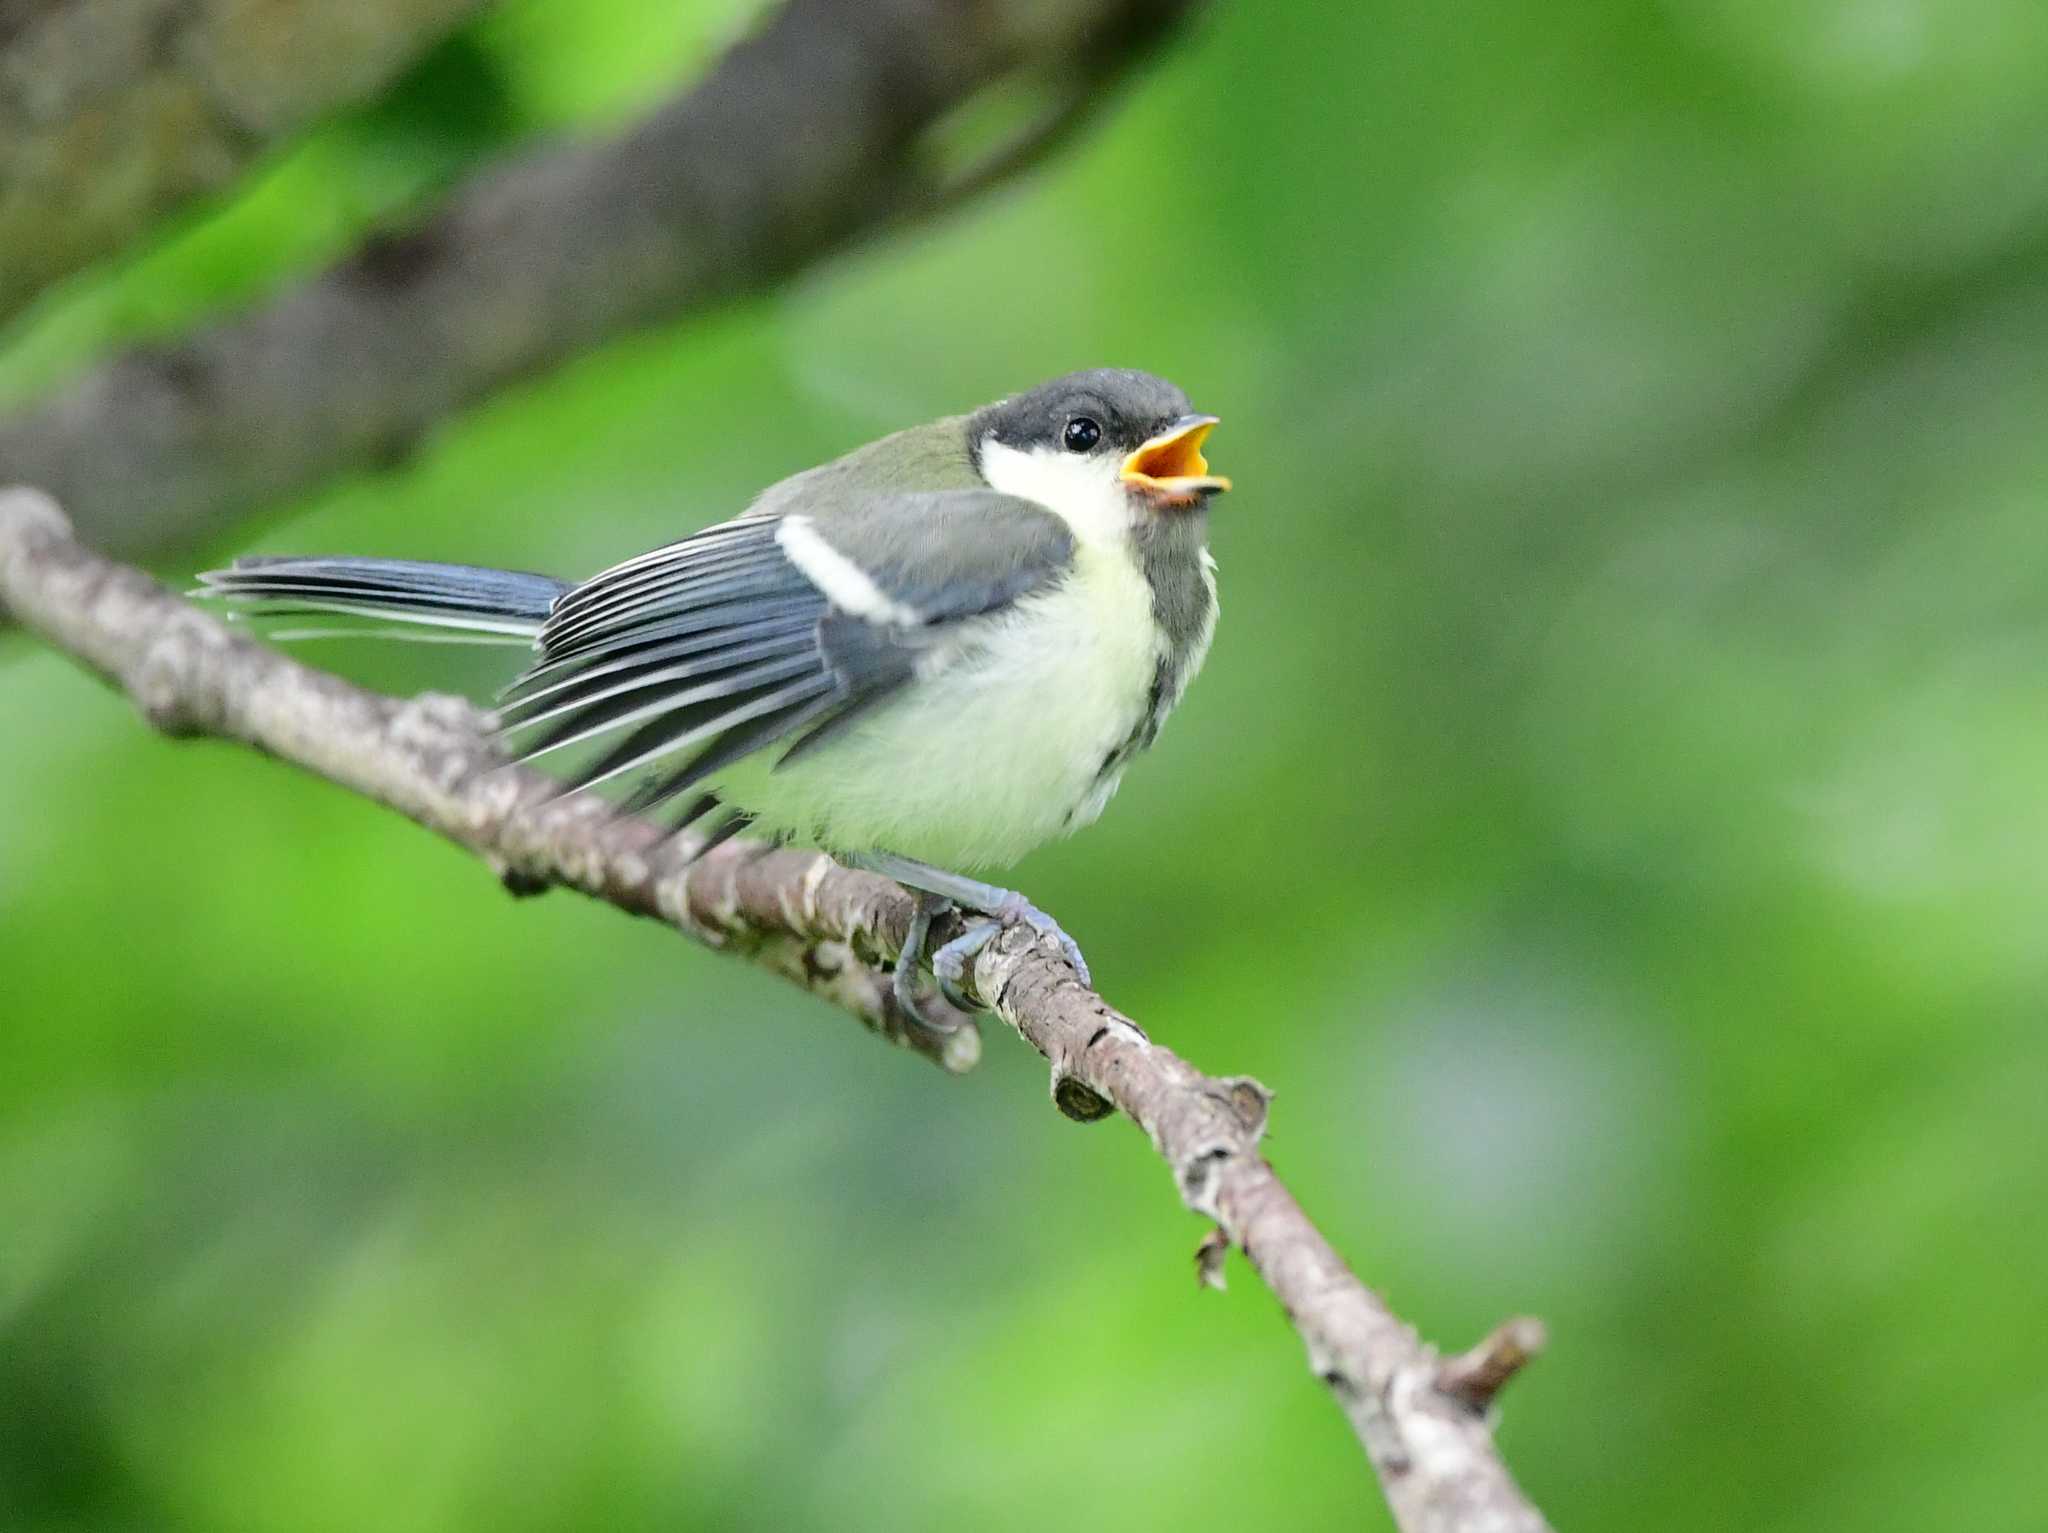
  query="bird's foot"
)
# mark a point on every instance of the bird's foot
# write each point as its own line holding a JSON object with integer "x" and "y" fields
{"x": 949, "y": 964}
{"x": 1014, "y": 907}
{"x": 917, "y": 1010}
{"x": 939, "y": 892}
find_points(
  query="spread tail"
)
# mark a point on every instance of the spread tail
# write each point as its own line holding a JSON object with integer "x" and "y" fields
{"x": 464, "y": 597}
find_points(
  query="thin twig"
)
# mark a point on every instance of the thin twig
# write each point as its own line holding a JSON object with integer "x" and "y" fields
{"x": 1425, "y": 1424}
{"x": 1478, "y": 1376}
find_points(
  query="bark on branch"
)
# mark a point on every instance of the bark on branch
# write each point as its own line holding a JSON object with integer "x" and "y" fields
{"x": 1425, "y": 1422}
{"x": 112, "y": 112}
{"x": 806, "y": 136}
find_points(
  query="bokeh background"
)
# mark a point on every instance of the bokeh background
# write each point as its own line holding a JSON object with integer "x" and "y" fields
{"x": 1614, "y": 819}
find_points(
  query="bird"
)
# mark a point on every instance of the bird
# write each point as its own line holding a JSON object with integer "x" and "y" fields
{"x": 926, "y": 657}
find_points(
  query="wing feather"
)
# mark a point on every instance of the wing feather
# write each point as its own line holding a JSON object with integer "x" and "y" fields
{"x": 652, "y": 594}
{"x": 523, "y": 692}
{"x": 670, "y": 733}
{"x": 716, "y": 619}
{"x": 599, "y": 718}
{"x": 748, "y": 658}
{"x": 718, "y": 646}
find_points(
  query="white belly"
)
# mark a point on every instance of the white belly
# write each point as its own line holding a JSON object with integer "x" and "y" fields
{"x": 998, "y": 747}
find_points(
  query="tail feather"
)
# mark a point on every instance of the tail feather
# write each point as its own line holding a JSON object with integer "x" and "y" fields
{"x": 458, "y": 596}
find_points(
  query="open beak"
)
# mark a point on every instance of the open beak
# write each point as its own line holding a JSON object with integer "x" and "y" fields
{"x": 1171, "y": 467}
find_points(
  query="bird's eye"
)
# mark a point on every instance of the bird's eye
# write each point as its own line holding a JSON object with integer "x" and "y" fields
{"x": 1081, "y": 434}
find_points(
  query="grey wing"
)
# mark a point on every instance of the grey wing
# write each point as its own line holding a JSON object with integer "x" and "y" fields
{"x": 752, "y": 633}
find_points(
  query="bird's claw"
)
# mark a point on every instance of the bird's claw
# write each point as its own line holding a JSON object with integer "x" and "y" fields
{"x": 950, "y": 963}
{"x": 1015, "y": 907}
{"x": 916, "y": 1009}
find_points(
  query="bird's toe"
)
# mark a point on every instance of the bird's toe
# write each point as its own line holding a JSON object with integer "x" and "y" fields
{"x": 1016, "y": 908}
{"x": 949, "y": 963}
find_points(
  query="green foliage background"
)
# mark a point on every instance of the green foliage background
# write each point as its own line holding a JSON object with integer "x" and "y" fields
{"x": 1612, "y": 819}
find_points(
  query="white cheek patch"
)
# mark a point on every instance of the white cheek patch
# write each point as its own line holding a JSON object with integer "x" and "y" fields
{"x": 845, "y": 584}
{"x": 1082, "y": 491}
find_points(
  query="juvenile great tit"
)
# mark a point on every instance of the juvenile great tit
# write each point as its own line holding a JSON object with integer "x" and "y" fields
{"x": 927, "y": 657}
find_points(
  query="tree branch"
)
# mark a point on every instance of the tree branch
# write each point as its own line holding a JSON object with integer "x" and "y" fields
{"x": 112, "y": 112}
{"x": 812, "y": 133}
{"x": 1424, "y": 1422}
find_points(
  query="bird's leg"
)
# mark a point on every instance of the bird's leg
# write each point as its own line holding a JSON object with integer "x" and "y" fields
{"x": 904, "y": 981}
{"x": 949, "y": 964}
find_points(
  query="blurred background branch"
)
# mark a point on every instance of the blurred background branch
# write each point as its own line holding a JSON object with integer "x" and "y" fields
{"x": 813, "y": 131}
{"x": 116, "y": 112}
{"x": 1424, "y": 1424}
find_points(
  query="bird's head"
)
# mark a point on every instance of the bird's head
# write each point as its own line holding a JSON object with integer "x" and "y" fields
{"x": 1108, "y": 445}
